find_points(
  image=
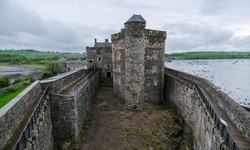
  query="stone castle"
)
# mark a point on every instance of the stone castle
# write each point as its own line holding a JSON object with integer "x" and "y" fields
{"x": 54, "y": 110}
{"x": 100, "y": 56}
{"x": 136, "y": 62}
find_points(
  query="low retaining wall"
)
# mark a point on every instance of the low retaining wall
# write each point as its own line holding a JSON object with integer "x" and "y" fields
{"x": 185, "y": 96}
{"x": 15, "y": 86}
{"x": 68, "y": 112}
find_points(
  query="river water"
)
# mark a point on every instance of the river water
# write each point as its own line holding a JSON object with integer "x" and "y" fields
{"x": 232, "y": 76}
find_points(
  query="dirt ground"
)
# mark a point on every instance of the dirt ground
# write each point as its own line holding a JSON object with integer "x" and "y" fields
{"x": 111, "y": 126}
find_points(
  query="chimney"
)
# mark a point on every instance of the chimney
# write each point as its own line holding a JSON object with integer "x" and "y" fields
{"x": 106, "y": 42}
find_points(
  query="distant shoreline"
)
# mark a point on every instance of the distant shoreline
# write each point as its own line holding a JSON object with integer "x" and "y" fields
{"x": 207, "y": 55}
{"x": 205, "y": 58}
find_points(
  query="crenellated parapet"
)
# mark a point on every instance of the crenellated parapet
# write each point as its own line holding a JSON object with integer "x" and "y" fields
{"x": 155, "y": 39}
{"x": 156, "y": 33}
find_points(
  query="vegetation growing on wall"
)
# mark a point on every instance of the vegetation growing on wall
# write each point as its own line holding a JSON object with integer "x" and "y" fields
{"x": 4, "y": 81}
{"x": 52, "y": 69}
{"x": 27, "y": 78}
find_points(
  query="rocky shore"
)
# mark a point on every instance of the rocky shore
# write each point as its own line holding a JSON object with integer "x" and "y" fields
{"x": 17, "y": 72}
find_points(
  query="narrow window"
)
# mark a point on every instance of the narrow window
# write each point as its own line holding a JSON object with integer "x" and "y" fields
{"x": 154, "y": 69}
{"x": 118, "y": 56}
{"x": 119, "y": 80}
{"x": 108, "y": 74}
{"x": 155, "y": 82}
{"x": 118, "y": 68}
{"x": 99, "y": 58}
{"x": 155, "y": 55}
{"x": 134, "y": 97}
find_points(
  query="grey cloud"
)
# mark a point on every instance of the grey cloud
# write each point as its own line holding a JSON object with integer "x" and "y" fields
{"x": 188, "y": 36}
{"x": 220, "y": 37}
{"x": 23, "y": 28}
{"x": 14, "y": 19}
{"x": 214, "y": 7}
{"x": 241, "y": 43}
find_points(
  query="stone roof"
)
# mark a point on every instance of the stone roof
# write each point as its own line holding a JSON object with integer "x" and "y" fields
{"x": 71, "y": 61}
{"x": 75, "y": 61}
{"x": 102, "y": 44}
{"x": 136, "y": 18}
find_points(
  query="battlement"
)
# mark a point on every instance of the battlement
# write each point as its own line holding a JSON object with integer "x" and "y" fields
{"x": 156, "y": 33}
{"x": 117, "y": 36}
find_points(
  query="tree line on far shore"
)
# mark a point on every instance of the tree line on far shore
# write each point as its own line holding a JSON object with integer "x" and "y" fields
{"x": 208, "y": 55}
{"x": 35, "y": 57}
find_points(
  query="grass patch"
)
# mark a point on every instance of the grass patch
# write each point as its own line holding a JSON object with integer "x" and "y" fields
{"x": 35, "y": 66}
{"x": 4, "y": 64}
{"x": 8, "y": 96}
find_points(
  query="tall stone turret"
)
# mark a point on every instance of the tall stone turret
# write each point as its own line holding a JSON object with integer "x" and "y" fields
{"x": 138, "y": 63}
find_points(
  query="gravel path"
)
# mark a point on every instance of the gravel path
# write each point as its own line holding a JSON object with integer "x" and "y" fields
{"x": 111, "y": 126}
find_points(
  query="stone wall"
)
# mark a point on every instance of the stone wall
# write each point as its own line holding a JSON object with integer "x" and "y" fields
{"x": 68, "y": 112}
{"x": 188, "y": 104}
{"x": 239, "y": 116}
{"x": 184, "y": 96}
{"x": 83, "y": 99}
{"x": 62, "y": 116}
{"x": 13, "y": 112}
{"x": 43, "y": 138}
{"x": 61, "y": 81}
{"x": 118, "y": 57}
{"x": 154, "y": 65}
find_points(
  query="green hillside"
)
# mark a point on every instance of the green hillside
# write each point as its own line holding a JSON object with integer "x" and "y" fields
{"x": 40, "y": 54}
{"x": 33, "y": 58}
{"x": 209, "y": 55}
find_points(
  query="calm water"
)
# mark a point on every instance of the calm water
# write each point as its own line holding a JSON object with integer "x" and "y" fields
{"x": 230, "y": 75}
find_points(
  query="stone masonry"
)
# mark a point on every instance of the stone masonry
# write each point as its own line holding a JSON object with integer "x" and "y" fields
{"x": 100, "y": 56}
{"x": 184, "y": 95}
{"x": 138, "y": 63}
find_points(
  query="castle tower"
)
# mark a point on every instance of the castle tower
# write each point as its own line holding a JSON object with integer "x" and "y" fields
{"x": 100, "y": 57}
{"x": 138, "y": 63}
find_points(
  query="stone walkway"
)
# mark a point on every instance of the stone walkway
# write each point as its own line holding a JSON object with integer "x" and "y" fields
{"x": 233, "y": 130}
{"x": 110, "y": 126}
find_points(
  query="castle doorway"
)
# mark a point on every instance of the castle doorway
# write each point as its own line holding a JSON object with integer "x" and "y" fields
{"x": 108, "y": 74}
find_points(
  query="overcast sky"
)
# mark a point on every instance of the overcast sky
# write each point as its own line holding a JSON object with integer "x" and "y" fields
{"x": 71, "y": 25}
